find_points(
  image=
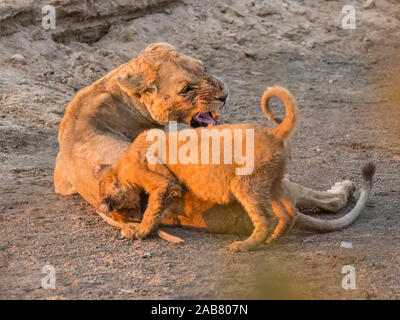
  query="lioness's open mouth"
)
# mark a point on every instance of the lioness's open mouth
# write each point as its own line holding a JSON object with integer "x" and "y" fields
{"x": 203, "y": 119}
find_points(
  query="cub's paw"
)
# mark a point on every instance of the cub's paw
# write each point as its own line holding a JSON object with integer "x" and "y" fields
{"x": 272, "y": 240}
{"x": 131, "y": 232}
{"x": 240, "y": 246}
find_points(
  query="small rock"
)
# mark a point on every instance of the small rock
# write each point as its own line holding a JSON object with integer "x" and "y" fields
{"x": 19, "y": 58}
{"x": 227, "y": 19}
{"x": 146, "y": 255}
{"x": 126, "y": 291}
{"x": 305, "y": 240}
{"x": 310, "y": 44}
{"x": 38, "y": 34}
{"x": 231, "y": 10}
{"x": 301, "y": 11}
{"x": 263, "y": 11}
{"x": 369, "y": 4}
{"x": 347, "y": 245}
{"x": 168, "y": 11}
{"x": 244, "y": 55}
{"x": 89, "y": 74}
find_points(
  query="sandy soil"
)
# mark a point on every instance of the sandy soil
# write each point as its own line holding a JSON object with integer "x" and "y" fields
{"x": 349, "y": 97}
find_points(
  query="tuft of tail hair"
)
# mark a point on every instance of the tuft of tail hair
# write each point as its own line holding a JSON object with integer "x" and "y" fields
{"x": 368, "y": 171}
{"x": 285, "y": 127}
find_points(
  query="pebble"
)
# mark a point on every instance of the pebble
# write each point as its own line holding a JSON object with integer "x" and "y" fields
{"x": 18, "y": 58}
{"x": 310, "y": 44}
{"x": 347, "y": 245}
{"x": 146, "y": 255}
{"x": 126, "y": 291}
{"x": 263, "y": 11}
{"x": 231, "y": 10}
{"x": 369, "y": 4}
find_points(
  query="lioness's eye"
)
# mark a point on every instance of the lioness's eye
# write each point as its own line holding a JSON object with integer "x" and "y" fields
{"x": 186, "y": 90}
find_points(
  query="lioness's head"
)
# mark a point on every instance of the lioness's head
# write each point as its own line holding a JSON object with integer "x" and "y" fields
{"x": 113, "y": 195}
{"x": 173, "y": 87}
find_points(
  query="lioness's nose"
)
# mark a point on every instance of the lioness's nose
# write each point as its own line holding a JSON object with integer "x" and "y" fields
{"x": 223, "y": 98}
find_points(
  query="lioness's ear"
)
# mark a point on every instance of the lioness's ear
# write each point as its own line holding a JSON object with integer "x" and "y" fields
{"x": 106, "y": 205}
{"x": 132, "y": 82}
{"x": 159, "y": 46}
{"x": 97, "y": 169}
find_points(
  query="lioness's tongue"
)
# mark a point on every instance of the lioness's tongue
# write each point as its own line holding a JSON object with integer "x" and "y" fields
{"x": 204, "y": 118}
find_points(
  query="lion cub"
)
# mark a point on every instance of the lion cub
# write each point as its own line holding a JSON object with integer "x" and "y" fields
{"x": 165, "y": 179}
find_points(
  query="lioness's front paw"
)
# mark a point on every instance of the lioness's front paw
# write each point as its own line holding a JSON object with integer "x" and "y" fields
{"x": 240, "y": 246}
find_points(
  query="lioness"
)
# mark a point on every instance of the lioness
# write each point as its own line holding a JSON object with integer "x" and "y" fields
{"x": 103, "y": 119}
{"x": 148, "y": 91}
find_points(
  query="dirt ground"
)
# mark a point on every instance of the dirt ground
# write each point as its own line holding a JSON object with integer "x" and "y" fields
{"x": 348, "y": 87}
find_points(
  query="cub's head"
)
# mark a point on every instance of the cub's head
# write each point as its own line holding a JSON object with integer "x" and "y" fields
{"x": 114, "y": 195}
{"x": 172, "y": 87}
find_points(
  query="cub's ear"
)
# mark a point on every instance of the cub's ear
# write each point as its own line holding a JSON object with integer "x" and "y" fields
{"x": 97, "y": 169}
{"x": 106, "y": 205}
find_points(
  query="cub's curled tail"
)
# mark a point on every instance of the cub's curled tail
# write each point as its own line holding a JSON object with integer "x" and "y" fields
{"x": 285, "y": 127}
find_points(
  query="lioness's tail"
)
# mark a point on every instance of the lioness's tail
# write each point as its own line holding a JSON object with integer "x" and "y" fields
{"x": 306, "y": 222}
{"x": 162, "y": 234}
{"x": 284, "y": 128}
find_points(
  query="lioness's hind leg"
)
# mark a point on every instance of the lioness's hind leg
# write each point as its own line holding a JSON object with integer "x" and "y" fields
{"x": 332, "y": 200}
{"x": 62, "y": 185}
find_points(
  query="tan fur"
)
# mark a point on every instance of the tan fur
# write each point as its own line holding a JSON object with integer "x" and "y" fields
{"x": 260, "y": 192}
{"x": 104, "y": 118}
{"x": 284, "y": 128}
